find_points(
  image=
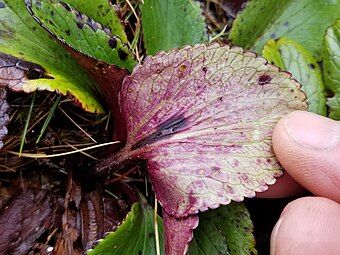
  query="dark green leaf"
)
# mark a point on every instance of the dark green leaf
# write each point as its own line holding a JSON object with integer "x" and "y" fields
{"x": 172, "y": 24}
{"x": 23, "y": 38}
{"x": 82, "y": 33}
{"x": 303, "y": 21}
{"x": 304, "y": 68}
{"x": 101, "y": 11}
{"x": 135, "y": 236}
{"x": 331, "y": 56}
{"x": 226, "y": 230}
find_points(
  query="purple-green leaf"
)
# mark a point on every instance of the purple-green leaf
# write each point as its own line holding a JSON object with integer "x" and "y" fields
{"x": 202, "y": 118}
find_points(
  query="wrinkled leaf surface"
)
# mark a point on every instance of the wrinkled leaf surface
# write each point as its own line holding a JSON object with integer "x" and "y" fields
{"x": 103, "y": 12}
{"x": 226, "y": 230}
{"x": 172, "y": 24}
{"x": 331, "y": 64}
{"x": 23, "y": 38}
{"x": 302, "y": 65}
{"x": 136, "y": 235}
{"x": 303, "y": 21}
{"x": 202, "y": 117}
{"x": 81, "y": 32}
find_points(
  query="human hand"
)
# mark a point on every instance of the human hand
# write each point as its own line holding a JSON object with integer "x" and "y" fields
{"x": 308, "y": 147}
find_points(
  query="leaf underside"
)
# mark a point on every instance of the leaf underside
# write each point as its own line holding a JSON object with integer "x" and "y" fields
{"x": 331, "y": 64}
{"x": 303, "y": 21}
{"x": 178, "y": 232}
{"x": 81, "y": 32}
{"x": 297, "y": 60}
{"x": 172, "y": 24}
{"x": 202, "y": 117}
{"x": 23, "y": 38}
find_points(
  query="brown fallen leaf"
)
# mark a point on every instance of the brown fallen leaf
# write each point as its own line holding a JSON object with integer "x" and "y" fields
{"x": 4, "y": 119}
{"x": 23, "y": 219}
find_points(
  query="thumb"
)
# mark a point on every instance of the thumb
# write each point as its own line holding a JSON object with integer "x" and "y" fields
{"x": 308, "y": 147}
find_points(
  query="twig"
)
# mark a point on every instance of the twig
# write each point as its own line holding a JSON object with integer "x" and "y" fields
{"x": 88, "y": 135}
{"x": 43, "y": 155}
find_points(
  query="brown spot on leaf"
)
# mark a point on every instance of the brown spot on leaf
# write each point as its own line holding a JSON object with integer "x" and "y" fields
{"x": 182, "y": 67}
{"x": 264, "y": 79}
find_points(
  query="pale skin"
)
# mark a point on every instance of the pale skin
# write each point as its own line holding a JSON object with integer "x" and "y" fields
{"x": 308, "y": 147}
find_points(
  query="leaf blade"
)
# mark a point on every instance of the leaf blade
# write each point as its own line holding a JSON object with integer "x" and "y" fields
{"x": 302, "y": 21}
{"x": 82, "y": 33}
{"x": 103, "y": 12}
{"x": 24, "y": 39}
{"x": 332, "y": 68}
{"x": 203, "y": 132}
{"x": 171, "y": 24}
{"x": 138, "y": 221}
{"x": 304, "y": 68}
{"x": 226, "y": 230}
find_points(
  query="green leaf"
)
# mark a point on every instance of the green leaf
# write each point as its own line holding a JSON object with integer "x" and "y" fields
{"x": 103, "y": 12}
{"x": 304, "y": 68}
{"x": 172, "y": 24}
{"x": 272, "y": 53}
{"x": 226, "y": 230}
{"x": 22, "y": 37}
{"x": 303, "y": 21}
{"x": 331, "y": 68}
{"x": 136, "y": 235}
{"x": 82, "y": 33}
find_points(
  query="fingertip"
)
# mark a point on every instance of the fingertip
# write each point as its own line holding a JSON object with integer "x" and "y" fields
{"x": 308, "y": 147}
{"x": 309, "y": 225}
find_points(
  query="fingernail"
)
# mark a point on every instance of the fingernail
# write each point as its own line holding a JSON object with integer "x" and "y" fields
{"x": 313, "y": 131}
{"x": 274, "y": 235}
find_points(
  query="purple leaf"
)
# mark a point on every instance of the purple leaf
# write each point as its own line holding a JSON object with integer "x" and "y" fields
{"x": 178, "y": 233}
{"x": 4, "y": 119}
{"x": 202, "y": 117}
